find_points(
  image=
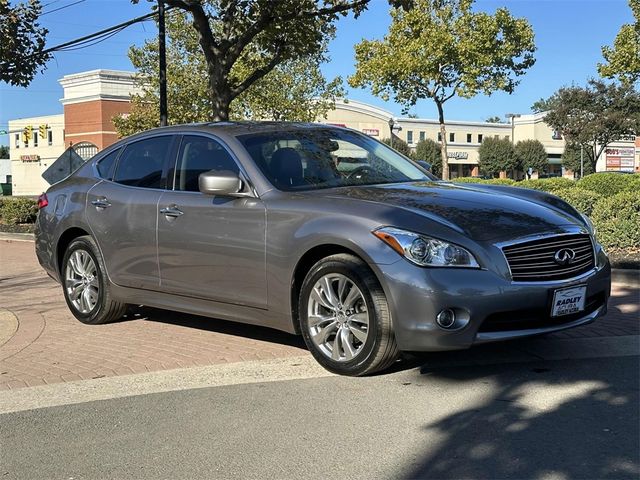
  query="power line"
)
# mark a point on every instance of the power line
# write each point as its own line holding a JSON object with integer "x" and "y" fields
{"x": 61, "y": 8}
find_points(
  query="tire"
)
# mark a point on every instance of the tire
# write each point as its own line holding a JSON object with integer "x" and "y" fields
{"x": 334, "y": 327}
{"x": 83, "y": 271}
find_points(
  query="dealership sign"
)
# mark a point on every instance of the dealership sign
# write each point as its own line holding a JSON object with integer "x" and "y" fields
{"x": 30, "y": 158}
{"x": 373, "y": 132}
{"x": 458, "y": 155}
{"x": 620, "y": 158}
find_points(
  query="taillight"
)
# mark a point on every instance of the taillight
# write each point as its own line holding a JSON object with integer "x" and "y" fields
{"x": 43, "y": 201}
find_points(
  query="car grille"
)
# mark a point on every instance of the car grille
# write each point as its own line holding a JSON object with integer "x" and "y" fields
{"x": 534, "y": 261}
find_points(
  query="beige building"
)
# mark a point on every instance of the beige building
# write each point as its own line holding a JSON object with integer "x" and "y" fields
{"x": 464, "y": 138}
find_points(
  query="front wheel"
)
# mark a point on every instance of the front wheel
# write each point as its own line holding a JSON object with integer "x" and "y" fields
{"x": 344, "y": 317}
{"x": 85, "y": 284}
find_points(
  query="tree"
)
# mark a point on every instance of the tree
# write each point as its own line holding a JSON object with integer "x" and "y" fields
{"x": 294, "y": 90}
{"x": 623, "y": 60}
{"x": 4, "y": 151}
{"x": 497, "y": 155}
{"x": 399, "y": 145}
{"x": 23, "y": 41}
{"x": 277, "y": 32}
{"x": 429, "y": 151}
{"x": 441, "y": 48}
{"x": 571, "y": 160}
{"x": 494, "y": 119}
{"x": 531, "y": 154}
{"x": 593, "y": 116}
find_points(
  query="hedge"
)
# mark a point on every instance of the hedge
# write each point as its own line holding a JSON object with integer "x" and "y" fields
{"x": 548, "y": 184}
{"x": 492, "y": 181}
{"x": 581, "y": 200}
{"x": 608, "y": 184}
{"x": 617, "y": 220}
{"x": 16, "y": 210}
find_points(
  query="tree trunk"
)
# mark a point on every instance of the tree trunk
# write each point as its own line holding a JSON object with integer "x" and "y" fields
{"x": 443, "y": 142}
{"x": 220, "y": 92}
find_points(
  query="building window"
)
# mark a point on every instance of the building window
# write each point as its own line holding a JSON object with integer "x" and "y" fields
{"x": 479, "y": 138}
{"x": 17, "y": 137}
{"x": 468, "y": 138}
{"x": 452, "y": 137}
{"x": 35, "y": 139}
{"x": 440, "y": 136}
{"x": 50, "y": 137}
{"x": 409, "y": 136}
{"x": 422, "y": 136}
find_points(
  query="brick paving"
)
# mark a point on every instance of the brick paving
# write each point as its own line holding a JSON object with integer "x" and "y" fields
{"x": 51, "y": 346}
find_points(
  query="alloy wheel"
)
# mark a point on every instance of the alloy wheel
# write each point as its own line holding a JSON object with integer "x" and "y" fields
{"x": 338, "y": 320}
{"x": 81, "y": 281}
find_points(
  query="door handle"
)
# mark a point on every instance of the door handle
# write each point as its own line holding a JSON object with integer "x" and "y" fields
{"x": 101, "y": 203}
{"x": 172, "y": 211}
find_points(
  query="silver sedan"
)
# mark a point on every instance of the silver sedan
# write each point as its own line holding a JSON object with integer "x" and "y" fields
{"x": 319, "y": 231}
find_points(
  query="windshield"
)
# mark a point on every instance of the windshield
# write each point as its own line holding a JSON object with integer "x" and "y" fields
{"x": 308, "y": 159}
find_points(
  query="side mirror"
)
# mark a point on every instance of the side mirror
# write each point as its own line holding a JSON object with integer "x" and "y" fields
{"x": 220, "y": 183}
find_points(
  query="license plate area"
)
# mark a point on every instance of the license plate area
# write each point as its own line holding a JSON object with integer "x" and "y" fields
{"x": 567, "y": 301}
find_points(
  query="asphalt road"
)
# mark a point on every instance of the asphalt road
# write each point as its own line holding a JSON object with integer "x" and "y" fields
{"x": 554, "y": 418}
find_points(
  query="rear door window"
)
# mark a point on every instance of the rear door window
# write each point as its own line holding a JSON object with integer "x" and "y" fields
{"x": 142, "y": 163}
{"x": 106, "y": 164}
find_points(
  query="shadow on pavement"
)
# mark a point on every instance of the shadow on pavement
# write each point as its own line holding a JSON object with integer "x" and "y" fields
{"x": 226, "y": 327}
{"x": 563, "y": 420}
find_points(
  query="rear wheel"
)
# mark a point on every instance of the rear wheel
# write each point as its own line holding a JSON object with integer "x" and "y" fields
{"x": 85, "y": 284}
{"x": 344, "y": 317}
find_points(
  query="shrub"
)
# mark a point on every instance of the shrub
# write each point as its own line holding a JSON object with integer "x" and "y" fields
{"x": 581, "y": 200}
{"x": 17, "y": 210}
{"x": 617, "y": 220}
{"x": 548, "y": 184}
{"x": 608, "y": 184}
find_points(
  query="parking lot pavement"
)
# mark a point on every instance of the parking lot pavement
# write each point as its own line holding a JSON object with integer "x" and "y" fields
{"x": 42, "y": 343}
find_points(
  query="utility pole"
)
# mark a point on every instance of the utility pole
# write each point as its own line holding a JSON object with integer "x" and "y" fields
{"x": 581, "y": 160}
{"x": 163, "y": 64}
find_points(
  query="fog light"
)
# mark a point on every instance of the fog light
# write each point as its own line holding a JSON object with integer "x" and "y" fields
{"x": 446, "y": 318}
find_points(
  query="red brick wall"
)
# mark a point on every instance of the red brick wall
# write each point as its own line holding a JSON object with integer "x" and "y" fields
{"x": 81, "y": 119}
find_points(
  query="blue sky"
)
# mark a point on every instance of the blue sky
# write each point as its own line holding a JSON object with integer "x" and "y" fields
{"x": 569, "y": 35}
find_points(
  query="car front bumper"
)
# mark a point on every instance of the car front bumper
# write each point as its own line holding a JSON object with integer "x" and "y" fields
{"x": 488, "y": 307}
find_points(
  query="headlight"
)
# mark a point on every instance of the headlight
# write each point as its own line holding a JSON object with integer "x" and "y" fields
{"x": 425, "y": 251}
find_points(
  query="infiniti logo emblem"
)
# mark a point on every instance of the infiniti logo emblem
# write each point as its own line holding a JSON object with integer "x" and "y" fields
{"x": 564, "y": 256}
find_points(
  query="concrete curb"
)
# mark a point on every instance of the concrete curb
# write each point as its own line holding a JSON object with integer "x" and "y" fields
{"x": 17, "y": 237}
{"x": 627, "y": 277}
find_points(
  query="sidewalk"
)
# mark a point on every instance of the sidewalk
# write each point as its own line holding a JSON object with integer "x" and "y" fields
{"x": 42, "y": 343}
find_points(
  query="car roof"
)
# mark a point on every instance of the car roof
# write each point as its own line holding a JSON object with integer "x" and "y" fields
{"x": 240, "y": 127}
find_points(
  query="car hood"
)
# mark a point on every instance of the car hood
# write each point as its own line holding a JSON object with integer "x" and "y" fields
{"x": 478, "y": 212}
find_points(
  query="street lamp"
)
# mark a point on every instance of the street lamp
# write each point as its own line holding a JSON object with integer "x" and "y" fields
{"x": 391, "y": 124}
{"x": 511, "y": 117}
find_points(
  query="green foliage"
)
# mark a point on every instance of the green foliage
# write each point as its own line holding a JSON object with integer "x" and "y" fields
{"x": 581, "y": 200}
{"x": 495, "y": 119}
{"x": 571, "y": 160}
{"x": 441, "y": 49}
{"x": 593, "y": 116}
{"x": 492, "y": 181}
{"x": 548, "y": 184}
{"x": 399, "y": 145}
{"x": 4, "y": 151}
{"x": 496, "y": 155}
{"x": 531, "y": 154}
{"x": 15, "y": 210}
{"x": 23, "y": 41}
{"x": 429, "y": 151}
{"x": 617, "y": 220}
{"x": 623, "y": 60}
{"x": 270, "y": 32}
{"x": 294, "y": 90}
{"x": 608, "y": 184}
